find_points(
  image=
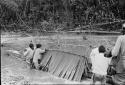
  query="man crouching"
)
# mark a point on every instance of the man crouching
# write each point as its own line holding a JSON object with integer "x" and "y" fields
{"x": 99, "y": 64}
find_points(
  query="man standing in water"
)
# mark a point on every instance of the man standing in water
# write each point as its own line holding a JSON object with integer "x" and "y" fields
{"x": 28, "y": 54}
{"x": 37, "y": 56}
{"x": 119, "y": 50}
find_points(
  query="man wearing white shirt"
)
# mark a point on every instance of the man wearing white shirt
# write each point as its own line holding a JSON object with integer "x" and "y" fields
{"x": 28, "y": 53}
{"x": 99, "y": 64}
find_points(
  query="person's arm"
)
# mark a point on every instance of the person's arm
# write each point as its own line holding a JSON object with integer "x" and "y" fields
{"x": 42, "y": 51}
{"x": 117, "y": 47}
{"x": 108, "y": 54}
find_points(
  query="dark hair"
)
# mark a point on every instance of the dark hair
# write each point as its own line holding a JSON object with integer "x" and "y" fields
{"x": 102, "y": 49}
{"x": 123, "y": 30}
{"x": 108, "y": 54}
{"x": 38, "y": 45}
{"x": 31, "y": 46}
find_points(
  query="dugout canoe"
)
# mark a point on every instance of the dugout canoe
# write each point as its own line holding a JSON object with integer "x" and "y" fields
{"x": 65, "y": 65}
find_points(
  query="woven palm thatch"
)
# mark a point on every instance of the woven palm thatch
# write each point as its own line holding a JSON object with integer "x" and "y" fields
{"x": 65, "y": 65}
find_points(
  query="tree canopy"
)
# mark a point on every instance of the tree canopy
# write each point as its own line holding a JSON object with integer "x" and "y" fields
{"x": 60, "y": 14}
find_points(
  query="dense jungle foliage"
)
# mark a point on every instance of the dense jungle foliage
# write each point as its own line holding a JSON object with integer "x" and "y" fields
{"x": 61, "y": 15}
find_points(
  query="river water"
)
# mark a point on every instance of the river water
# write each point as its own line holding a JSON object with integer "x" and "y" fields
{"x": 15, "y": 71}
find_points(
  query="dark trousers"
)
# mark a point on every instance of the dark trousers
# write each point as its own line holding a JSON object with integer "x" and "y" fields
{"x": 32, "y": 66}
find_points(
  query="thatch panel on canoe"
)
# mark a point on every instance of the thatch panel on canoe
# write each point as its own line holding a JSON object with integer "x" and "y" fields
{"x": 68, "y": 66}
{"x": 62, "y": 66}
{"x": 46, "y": 58}
{"x": 65, "y": 65}
{"x": 72, "y": 64}
{"x": 57, "y": 61}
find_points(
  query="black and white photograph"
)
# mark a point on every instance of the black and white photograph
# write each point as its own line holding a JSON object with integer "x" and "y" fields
{"x": 62, "y": 42}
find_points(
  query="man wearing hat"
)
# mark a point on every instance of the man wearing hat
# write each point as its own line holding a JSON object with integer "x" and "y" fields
{"x": 119, "y": 51}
